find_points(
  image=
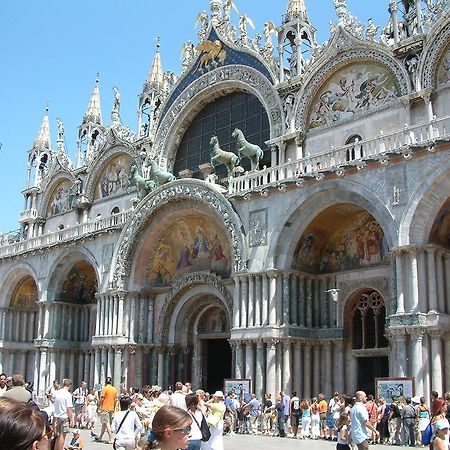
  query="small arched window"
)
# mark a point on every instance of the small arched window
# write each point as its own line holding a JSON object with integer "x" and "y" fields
{"x": 115, "y": 210}
{"x": 368, "y": 321}
{"x": 355, "y": 151}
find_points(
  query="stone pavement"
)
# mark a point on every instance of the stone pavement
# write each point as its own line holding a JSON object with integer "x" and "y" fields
{"x": 240, "y": 441}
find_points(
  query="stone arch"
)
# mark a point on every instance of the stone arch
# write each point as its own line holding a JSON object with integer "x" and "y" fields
{"x": 62, "y": 266}
{"x": 149, "y": 208}
{"x": 180, "y": 303}
{"x": 351, "y": 50}
{"x": 49, "y": 189}
{"x": 425, "y": 203}
{"x": 13, "y": 277}
{"x": 432, "y": 53}
{"x": 310, "y": 203}
{"x": 206, "y": 89}
{"x": 100, "y": 163}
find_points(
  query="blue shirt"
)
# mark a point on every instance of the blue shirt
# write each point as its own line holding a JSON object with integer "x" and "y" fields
{"x": 229, "y": 402}
{"x": 358, "y": 416}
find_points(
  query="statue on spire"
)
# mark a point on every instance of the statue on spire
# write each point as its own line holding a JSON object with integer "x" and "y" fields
{"x": 115, "y": 114}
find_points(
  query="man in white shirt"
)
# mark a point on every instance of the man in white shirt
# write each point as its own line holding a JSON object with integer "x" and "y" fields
{"x": 360, "y": 422}
{"x": 178, "y": 398}
{"x": 127, "y": 426}
{"x": 79, "y": 397}
{"x": 63, "y": 416}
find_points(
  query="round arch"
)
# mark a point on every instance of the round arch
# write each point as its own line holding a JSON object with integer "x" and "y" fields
{"x": 351, "y": 50}
{"x": 62, "y": 266}
{"x": 310, "y": 203}
{"x": 214, "y": 84}
{"x": 171, "y": 193}
{"x": 49, "y": 189}
{"x": 13, "y": 277}
{"x": 425, "y": 203}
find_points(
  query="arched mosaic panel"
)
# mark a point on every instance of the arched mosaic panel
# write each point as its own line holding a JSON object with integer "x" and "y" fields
{"x": 187, "y": 244}
{"x": 342, "y": 237}
{"x": 79, "y": 286}
{"x": 443, "y": 72}
{"x": 114, "y": 178}
{"x": 25, "y": 295}
{"x": 61, "y": 200}
{"x": 353, "y": 89}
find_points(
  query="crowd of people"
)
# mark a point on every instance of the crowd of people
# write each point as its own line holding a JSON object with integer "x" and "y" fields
{"x": 147, "y": 418}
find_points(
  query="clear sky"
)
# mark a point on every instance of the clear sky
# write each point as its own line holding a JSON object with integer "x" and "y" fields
{"x": 51, "y": 50}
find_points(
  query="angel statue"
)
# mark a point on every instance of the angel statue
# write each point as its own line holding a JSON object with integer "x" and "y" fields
{"x": 60, "y": 129}
{"x": 269, "y": 29}
{"x": 116, "y": 105}
{"x": 187, "y": 53}
{"x": 202, "y": 18}
{"x": 371, "y": 30}
{"x": 243, "y": 21}
{"x": 227, "y": 10}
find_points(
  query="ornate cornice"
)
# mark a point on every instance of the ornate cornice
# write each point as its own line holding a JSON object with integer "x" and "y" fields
{"x": 170, "y": 193}
{"x": 212, "y": 84}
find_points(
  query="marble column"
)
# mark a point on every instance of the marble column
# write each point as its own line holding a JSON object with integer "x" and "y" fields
{"x": 37, "y": 363}
{"x": 324, "y": 303}
{"x": 328, "y": 369}
{"x": 301, "y": 302}
{"x": 440, "y": 282}
{"x": 293, "y": 309}
{"x": 339, "y": 364}
{"x": 436, "y": 360}
{"x": 286, "y": 299}
{"x": 251, "y": 301}
{"x": 447, "y": 362}
{"x": 297, "y": 353}
{"x": 133, "y": 317}
{"x": 236, "y": 302}
{"x": 71, "y": 373}
{"x": 416, "y": 358}
{"x": 43, "y": 370}
{"x": 249, "y": 360}
{"x": 1, "y": 364}
{"x": 97, "y": 365}
{"x": 239, "y": 360}
{"x": 272, "y": 298}
{"x": 422, "y": 280}
{"x": 118, "y": 367}
{"x": 265, "y": 299}
{"x": 431, "y": 266}
{"x": 309, "y": 305}
{"x": 413, "y": 303}
{"x": 286, "y": 383}
{"x": 150, "y": 312}
{"x": 400, "y": 364}
{"x": 139, "y": 366}
{"x": 259, "y": 370}
{"x": 400, "y": 283}
{"x": 120, "y": 314}
{"x": 271, "y": 367}
{"x": 447, "y": 283}
{"x": 131, "y": 372}
{"x": 103, "y": 364}
{"x": 258, "y": 297}
{"x": 307, "y": 352}
{"x": 316, "y": 367}
{"x": 52, "y": 363}
{"x": 160, "y": 366}
{"x": 244, "y": 301}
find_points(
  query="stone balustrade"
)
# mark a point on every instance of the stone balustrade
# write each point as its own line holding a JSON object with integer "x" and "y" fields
{"x": 356, "y": 154}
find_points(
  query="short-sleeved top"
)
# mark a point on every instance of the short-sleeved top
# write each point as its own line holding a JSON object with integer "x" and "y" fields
{"x": 109, "y": 394}
{"x": 63, "y": 400}
{"x": 295, "y": 406}
{"x": 359, "y": 415}
{"x": 254, "y": 405}
{"x": 323, "y": 406}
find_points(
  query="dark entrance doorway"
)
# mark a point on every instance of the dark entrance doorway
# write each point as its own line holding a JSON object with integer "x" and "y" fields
{"x": 217, "y": 363}
{"x": 370, "y": 368}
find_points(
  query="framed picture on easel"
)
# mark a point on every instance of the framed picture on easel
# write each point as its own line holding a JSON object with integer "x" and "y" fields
{"x": 390, "y": 388}
{"x": 242, "y": 387}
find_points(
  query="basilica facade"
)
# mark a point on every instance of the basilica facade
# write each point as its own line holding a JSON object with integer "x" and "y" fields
{"x": 280, "y": 214}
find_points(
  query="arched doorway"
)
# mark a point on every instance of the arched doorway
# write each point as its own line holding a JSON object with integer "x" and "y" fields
{"x": 366, "y": 320}
{"x": 213, "y": 332}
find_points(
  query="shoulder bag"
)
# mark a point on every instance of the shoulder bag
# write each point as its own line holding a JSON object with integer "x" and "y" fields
{"x": 118, "y": 429}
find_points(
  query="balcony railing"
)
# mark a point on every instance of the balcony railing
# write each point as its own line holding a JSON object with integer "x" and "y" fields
{"x": 65, "y": 235}
{"x": 356, "y": 154}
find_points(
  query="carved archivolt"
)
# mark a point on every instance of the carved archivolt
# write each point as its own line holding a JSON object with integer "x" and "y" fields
{"x": 212, "y": 284}
{"x": 99, "y": 164}
{"x": 175, "y": 191}
{"x": 318, "y": 78}
{"x": 215, "y": 83}
{"x": 432, "y": 55}
{"x": 48, "y": 189}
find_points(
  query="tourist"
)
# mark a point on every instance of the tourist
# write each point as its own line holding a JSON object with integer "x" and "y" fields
{"x": 108, "y": 399}
{"x": 372, "y": 409}
{"x": 360, "y": 422}
{"x": 178, "y": 398}
{"x": 254, "y": 406}
{"x": 91, "y": 409}
{"x": 267, "y": 414}
{"x": 423, "y": 412}
{"x": 395, "y": 422}
{"x": 409, "y": 423}
{"x": 171, "y": 429}
{"x": 305, "y": 408}
{"x": 279, "y": 407}
{"x": 18, "y": 392}
{"x": 79, "y": 398}
{"x": 3, "y": 387}
{"x": 215, "y": 420}
{"x": 76, "y": 442}
{"x": 438, "y": 412}
{"x": 383, "y": 420}
{"x": 126, "y": 425}
{"x": 50, "y": 392}
{"x": 287, "y": 410}
{"x": 295, "y": 414}
{"x": 195, "y": 438}
{"x": 315, "y": 419}
{"x": 21, "y": 428}
{"x": 343, "y": 432}
{"x": 323, "y": 409}
{"x": 230, "y": 413}
{"x": 334, "y": 408}
{"x": 440, "y": 442}
{"x": 63, "y": 417}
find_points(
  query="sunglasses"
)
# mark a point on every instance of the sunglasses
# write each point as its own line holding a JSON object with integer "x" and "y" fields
{"x": 185, "y": 430}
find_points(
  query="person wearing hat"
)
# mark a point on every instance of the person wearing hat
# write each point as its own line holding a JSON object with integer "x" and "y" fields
{"x": 440, "y": 442}
{"x": 217, "y": 409}
{"x": 76, "y": 442}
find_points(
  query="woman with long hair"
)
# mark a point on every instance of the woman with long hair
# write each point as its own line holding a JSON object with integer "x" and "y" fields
{"x": 423, "y": 413}
{"x": 306, "y": 419}
{"x": 21, "y": 428}
{"x": 171, "y": 428}
{"x": 195, "y": 438}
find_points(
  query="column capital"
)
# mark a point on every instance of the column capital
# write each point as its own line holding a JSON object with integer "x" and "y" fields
{"x": 396, "y": 334}
{"x": 260, "y": 344}
{"x": 272, "y": 273}
{"x": 271, "y": 343}
{"x": 435, "y": 334}
{"x": 416, "y": 333}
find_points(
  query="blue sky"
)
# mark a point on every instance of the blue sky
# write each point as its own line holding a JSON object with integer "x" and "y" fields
{"x": 52, "y": 50}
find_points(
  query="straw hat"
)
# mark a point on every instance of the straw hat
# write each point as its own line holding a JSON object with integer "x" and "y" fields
{"x": 162, "y": 400}
{"x": 218, "y": 394}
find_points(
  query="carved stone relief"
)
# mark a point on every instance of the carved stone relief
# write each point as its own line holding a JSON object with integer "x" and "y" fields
{"x": 257, "y": 228}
